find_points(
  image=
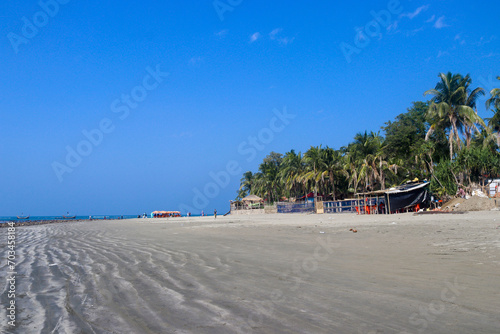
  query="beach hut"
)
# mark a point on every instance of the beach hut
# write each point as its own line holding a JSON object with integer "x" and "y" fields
{"x": 410, "y": 196}
{"x": 252, "y": 199}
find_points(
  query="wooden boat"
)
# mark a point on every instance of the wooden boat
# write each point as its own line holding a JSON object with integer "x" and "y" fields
{"x": 69, "y": 217}
{"x": 23, "y": 217}
{"x": 165, "y": 214}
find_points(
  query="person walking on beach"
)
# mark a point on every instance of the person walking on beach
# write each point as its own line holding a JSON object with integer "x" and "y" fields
{"x": 215, "y": 214}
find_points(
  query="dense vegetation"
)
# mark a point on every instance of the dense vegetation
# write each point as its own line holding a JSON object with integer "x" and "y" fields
{"x": 442, "y": 140}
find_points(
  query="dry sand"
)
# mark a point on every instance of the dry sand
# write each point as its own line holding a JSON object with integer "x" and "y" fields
{"x": 260, "y": 274}
{"x": 474, "y": 203}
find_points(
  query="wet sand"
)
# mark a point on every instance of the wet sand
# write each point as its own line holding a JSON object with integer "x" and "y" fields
{"x": 259, "y": 274}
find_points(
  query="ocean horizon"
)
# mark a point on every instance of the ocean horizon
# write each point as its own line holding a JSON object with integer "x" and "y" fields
{"x": 5, "y": 219}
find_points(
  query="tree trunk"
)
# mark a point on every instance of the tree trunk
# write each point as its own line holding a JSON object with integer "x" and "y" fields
{"x": 333, "y": 184}
{"x": 468, "y": 135}
{"x": 453, "y": 131}
{"x": 450, "y": 140}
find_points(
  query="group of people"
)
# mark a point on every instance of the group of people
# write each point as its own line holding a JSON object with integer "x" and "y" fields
{"x": 203, "y": 214}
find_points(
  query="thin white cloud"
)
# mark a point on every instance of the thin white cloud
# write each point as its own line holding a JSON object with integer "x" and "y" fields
{"x": 442, "y": 54}
{"x": 254, "y": 37}
{"x": 414, "y": 31}
{"x": 276, "y": 35}
{"x": 286, "y": 40}
{"x": 484, "y": 41}
{"x": 419, "y": 10}
{"x": 272, "y": 34}
{"x": 440, "y": 23}
{"x": 222, "y": 33}
{"x": 490, "y": 55}
{"x": 431, "y": 19}
{"x": 458, "y": 37}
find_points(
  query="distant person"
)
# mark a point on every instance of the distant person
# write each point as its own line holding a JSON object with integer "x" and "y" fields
{"x": 215, "y": 214}
{"x": 202, "y": 213}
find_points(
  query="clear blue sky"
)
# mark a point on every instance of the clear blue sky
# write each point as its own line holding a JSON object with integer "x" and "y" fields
{"x": 86, "y": 67}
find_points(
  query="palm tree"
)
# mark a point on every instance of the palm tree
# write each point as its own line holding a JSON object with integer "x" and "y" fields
{"x": 315, "y": 163}
{"x": 268, "y": 177}
{"x": 449, "y": 108}
{"x": 368, "y": 172}
{"x": 494, "y": 99}
{"x": 359, "y": 162}
{"x": 490, "y": 135}
{"x": 494, "y": 122}
{"x": 332, "y": 166}
{"x": 246, "y": 183}
{"x": 259, "y": 185}
{"x": 292, "y": 167}
{"x": 350, "y": 168}
{"x": 471, "y": 98}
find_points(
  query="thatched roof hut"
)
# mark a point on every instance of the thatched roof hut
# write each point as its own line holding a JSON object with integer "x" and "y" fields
{"x": 252, "y": 198}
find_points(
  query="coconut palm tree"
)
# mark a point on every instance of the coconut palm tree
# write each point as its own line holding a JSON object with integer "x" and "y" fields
{"x": 494, "y": 100}
{"x": 368, "y": 172}
{"x": 246, "y": 183}
{"x": 449, "y": 108}
{"x": 314, "y": 158}
{"x": 292, "y": 167}
{"x": 494, "y": 122}
{"x": 470, "y": 100}
{"x": 332, "y": 167}
{"x": 268, "y": 177}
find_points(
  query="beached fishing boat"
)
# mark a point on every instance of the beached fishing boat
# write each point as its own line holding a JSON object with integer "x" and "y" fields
{"x": 411, "y": 196}
{"x": 67, "y": 216}
{"x": 165, "y": 214}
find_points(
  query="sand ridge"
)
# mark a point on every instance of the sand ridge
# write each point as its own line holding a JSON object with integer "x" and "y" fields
{"x": 261, "y": 274}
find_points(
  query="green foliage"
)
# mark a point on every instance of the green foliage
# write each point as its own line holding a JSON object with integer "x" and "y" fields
{"x": 476, "y": 162}
{"x": 452, "y": 108}
{"x": 443, "y": 181}
{"x": 443, "y": 141}
{"x": 406, "y": 134}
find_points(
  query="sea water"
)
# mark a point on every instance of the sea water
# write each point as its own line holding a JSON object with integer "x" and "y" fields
{"x": 6, "y": 219}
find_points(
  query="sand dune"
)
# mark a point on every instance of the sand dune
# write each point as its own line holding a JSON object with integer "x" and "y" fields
{"x": 260, "y": 274}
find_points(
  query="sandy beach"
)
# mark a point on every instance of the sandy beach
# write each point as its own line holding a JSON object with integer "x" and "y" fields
{"x": 259, "y": 274}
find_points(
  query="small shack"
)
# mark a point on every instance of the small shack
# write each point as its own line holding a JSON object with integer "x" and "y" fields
{"x": 410, "y": 196}
{"x": 252, "y": 204}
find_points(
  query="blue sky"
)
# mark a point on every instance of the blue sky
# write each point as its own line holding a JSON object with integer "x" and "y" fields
{"x": 71, "y": 68}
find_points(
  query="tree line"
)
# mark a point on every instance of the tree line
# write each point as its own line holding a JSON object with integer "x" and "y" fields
{"x": 442, "y": 140}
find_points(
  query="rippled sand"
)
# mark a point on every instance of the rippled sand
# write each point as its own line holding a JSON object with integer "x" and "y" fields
{"x": 262, "y": 274}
